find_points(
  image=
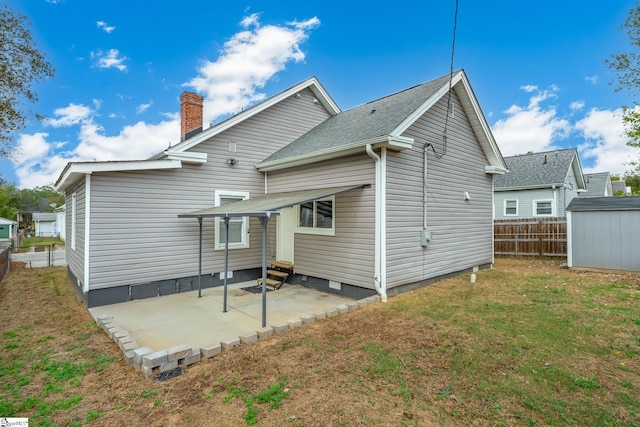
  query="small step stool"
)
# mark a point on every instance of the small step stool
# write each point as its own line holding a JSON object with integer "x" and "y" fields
{"x": 278, "y": 274}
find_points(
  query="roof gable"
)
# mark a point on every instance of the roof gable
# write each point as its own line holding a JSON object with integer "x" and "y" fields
{"x": 311, "y": 83}
{"x": 383, "y": 121}
{"x": 45, "y": 216}
{"x": 366, "y": 122}
{"x": 541, "y": 170}
{"x": 598, "y": 184}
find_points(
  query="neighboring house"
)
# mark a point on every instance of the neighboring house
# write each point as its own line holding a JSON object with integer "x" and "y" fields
{"x": 620, "y": 188}
{"x": 45, "y": 224}
{"x": 598, "y": 185}
{"x": 538, "y": 184}
{"x": 372, "y": 198}
{"x": 8, "y": 230}
{"x": 603, "y": 232}
{"x": 61, "y": 221}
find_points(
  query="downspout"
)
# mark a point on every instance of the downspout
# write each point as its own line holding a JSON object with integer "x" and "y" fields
{"x": 266, "y": 184}
{"x": 87, "y": 232}
{"x": 378, "y": 278}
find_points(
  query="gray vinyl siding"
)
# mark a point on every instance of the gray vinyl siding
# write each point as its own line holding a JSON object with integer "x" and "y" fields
{"x": 136, "y": 235}
{"x": 347, "y": 257}
{"x": 75, "y": 257}
{"x": 605, "y": 239}
{"x": 461, "y": 230}
{"x": 136, "y": 229}
{"x": 563, "y": 196}
{"x": 525, "y": 200}
{"x": 568, "y": 193}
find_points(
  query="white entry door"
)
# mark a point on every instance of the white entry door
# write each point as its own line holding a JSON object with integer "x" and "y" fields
{"x": 286, "y": 231}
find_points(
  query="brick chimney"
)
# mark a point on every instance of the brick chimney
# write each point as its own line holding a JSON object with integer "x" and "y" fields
{"x": 191, "y": 114}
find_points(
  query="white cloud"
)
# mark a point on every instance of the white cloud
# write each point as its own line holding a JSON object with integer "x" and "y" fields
{"x": 143, "y": 107}
{"x": 251, "y": 20}
{"x": 107, "y": 28}
{"x": 134, "y": 142}
{"x": 577, "y": 105}
{"x": 532, "y": 128}
{"x": 604, "y": 141}
{"x": 111, "y": 59}
{"x": 69, "y": 115}
{"x": 32, "y": 147}
{"x": 247, "y": 61}
{"x": 598, "y": 135}
{"x": 39, "y": 162}
{"x": 36, "y": 164}
{"x": 592, "y": 79}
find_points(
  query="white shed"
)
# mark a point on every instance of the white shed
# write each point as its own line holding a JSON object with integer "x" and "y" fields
{"x": 61, "y": 212}
{"x": 603, "y": 232}
{"x": 46, "y": 225}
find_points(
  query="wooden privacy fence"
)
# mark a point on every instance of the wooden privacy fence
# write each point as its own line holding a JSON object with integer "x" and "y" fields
{"x": 4, "y": 262}
{"x": 544, "y": 237}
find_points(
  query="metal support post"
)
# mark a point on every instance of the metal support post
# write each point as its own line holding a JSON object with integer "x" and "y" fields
{"x": 264, "y": 220}
{"x": 226, "y": 262}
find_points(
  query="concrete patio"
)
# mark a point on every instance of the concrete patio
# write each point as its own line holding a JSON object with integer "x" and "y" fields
{"x": 185, "y": 321}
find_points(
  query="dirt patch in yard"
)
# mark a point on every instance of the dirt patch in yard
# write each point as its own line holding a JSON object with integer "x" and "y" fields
{"x": 528, "y": 344}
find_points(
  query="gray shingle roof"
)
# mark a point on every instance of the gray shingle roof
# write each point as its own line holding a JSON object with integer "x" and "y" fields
{"x": 619, "y": 186}
{"x": 44, "y": 216}
{"x": 596, "y": 184}
{"x": 604, "y": 204}
{"x": 371, "y": 120}
{"x": 537, "y": 169}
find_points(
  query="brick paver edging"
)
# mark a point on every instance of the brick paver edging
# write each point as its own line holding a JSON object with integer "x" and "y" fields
{"x": 151, "y": 362}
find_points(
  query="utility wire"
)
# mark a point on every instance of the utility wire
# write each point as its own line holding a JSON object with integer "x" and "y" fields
{"x": 446, "y": 116}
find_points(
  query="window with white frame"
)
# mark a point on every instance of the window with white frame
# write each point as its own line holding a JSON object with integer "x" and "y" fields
{"x": 74, "y": 216}
{"x": 317, "y": 217}
{"x": 511, "y": 208}
{"x": 238, "y": 226}
{"x": 543, "y": 207}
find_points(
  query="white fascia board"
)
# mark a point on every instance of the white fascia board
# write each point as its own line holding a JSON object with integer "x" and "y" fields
{"x": 311, "y": 83}
{"x": 187, "y": 157}
{"x": 480, "y": 125}
{"x": 323, "y": 97}
{"x": 74, "y": 171}
{"x": 425, "y": 106}
{"x": 495, "y": 170}
{"x": 577, "y": 171}
{"x": 397, "y": 143}
{"x": 475, "y": 115}
{"x": 529, "y": 187}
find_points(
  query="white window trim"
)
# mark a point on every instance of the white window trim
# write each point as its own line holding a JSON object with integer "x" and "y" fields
{"x": 535, "y": 207}
{"x": 504, "y": 208}
{"x": 74, "y": 219}
{"x": 318, "y": 231}
{"x": 219, "y": 222}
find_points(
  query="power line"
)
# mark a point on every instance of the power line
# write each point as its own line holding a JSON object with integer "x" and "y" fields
{"x": 446, "y": 116}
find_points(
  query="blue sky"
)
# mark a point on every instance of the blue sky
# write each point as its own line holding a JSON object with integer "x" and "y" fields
{"x": 537, "y": 69}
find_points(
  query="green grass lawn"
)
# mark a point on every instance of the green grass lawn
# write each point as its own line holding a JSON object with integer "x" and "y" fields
{"x": 41, "y": 241}
{"x": 528, "y": 344}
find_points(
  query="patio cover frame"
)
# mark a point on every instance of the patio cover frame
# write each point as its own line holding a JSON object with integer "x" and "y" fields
{"x": 262, "y": 207}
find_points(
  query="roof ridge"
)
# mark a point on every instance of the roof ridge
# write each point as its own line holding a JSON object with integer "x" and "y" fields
{"x": 402, "y": 91}
{"x": 543, "y": 152}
